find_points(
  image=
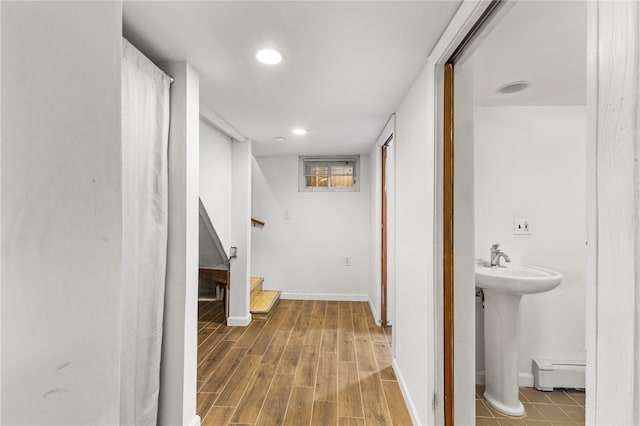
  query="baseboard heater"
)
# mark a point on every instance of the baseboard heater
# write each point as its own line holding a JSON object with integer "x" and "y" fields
{"x": 553, "y": 374}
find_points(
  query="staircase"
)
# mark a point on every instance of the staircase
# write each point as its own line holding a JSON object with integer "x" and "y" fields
{"x": 262, "y": 301}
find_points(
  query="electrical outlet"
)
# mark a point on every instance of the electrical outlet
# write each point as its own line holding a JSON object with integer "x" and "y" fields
{"x": 285, "y": 215}
{"x": 347, "y": 261}
{"x": 522, "y": 226}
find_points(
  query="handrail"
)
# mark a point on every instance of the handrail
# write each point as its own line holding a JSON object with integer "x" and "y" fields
{"x": 255, "y": 222}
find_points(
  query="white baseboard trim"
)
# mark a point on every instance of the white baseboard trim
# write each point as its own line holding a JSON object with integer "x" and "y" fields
{"x": 239, "y": 321}
{"x": 549, "y": 374}
{"x": 325, "y": 296}
{"x": 525, "y": 380}
{"x": 195, "y": 422}
{"x": 413, "y": 412}
{"x": 374, "y": 312}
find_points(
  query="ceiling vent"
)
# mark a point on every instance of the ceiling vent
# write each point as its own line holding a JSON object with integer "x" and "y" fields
{"x": 514, "y": 87}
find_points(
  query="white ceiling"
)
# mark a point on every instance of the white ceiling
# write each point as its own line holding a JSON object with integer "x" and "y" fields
{"x": 544, "y": 42}
{"x": 346, "y": 65}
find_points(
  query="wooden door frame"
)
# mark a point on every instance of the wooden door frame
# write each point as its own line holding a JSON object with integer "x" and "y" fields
{"x": 384, "y": 172}
{"x": 383, "y": 243}
{"x": 613, "y": 274}
{"x": 447, "y": 244}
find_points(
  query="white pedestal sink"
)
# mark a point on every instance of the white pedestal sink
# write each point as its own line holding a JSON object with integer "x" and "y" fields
{"x": 503, "y": 289}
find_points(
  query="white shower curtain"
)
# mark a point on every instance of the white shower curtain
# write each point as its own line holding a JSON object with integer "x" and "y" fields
{"x": 145, "y": 135}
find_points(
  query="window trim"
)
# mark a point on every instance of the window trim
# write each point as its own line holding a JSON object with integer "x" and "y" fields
{"x": 302, "y": 182}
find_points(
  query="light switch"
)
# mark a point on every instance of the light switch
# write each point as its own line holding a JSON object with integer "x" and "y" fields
{"x": 522, "y": 226}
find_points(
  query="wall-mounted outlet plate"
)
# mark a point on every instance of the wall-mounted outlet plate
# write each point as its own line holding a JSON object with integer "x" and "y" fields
{"x": 522, "y": 226}
{"x": 347, "y": 261}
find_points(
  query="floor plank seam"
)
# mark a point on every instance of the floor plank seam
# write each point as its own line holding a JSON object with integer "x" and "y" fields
{"x": 216, "y": 368}
{"x": 265, "y": 400}
{"x": 284, "y": 417}
{"x": 315, "y": 387}
{"x": 244, "y": 392}
{"x": 358, "y": 372}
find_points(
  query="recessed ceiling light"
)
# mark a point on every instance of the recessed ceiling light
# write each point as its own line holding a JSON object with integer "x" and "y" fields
{"x": 514, "y": 87}
{"x": 269, "y": 56}
{"x": 299, "y": 131}
{"x": 279, "y": 139}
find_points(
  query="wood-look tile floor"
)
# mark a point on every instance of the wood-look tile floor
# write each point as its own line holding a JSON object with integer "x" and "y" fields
{"x": 557, "y": 408}
{"x": 308, "y": 363}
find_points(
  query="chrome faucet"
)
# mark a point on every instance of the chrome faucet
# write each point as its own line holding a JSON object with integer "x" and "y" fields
{"x": 496, "y": 254}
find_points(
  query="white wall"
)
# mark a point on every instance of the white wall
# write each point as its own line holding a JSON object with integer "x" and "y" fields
{"x": 530, "y": 162}
{"x": 61, "y": 217}
{"x": 304, "y": 255}
{"x": 415, "y": 206}
{"x": 239, "y": 293}
{"x": 215, "y": 180}
{"x": 179, "y": 341}
{"x": 391, "y": 230}
{"x": 375, "y": 181}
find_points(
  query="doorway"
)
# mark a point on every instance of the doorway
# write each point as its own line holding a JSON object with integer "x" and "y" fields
{"x": 488, "y": 121}
{"x": 384, "y": 224}
{"x": 383, "y": 257}
{"x": 388, "y": 231}
{"x": 382, "y": 297}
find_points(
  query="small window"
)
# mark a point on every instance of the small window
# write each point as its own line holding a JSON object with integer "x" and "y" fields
{"x": 329, "y": 173}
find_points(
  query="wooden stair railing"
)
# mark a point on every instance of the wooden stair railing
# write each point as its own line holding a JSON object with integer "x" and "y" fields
{"x": 255, "y": 222}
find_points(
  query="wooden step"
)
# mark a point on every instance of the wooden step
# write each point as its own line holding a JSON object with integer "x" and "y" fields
{"x": 263, "y": 301}
{"x": 256, "y": 287}
{"x": 256, "y": 284}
